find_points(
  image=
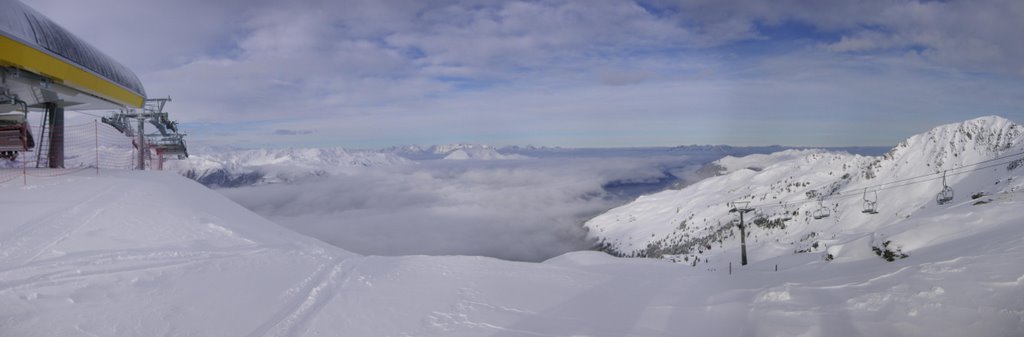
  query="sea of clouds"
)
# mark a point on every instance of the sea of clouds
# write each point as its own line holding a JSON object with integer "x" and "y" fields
{"x": 528, "y": 209}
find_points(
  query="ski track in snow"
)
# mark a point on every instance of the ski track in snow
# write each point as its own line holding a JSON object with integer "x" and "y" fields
{"x": 79, "y": 267}
{"x": 33, "y": 238}
{"x": 311, "y": 295}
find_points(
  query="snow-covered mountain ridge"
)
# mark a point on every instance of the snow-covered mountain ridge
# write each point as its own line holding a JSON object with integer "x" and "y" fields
{"x": 787, "y": 188}
{"x": 457, "y": 151}
{"x": 234, "y": 167}
{"x": 230, "y": 168}
{"x": 445, "y": 149}
{"x": 485, "y": 153}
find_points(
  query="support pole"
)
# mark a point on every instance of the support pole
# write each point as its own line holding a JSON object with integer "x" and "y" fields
{"x": 743, "y": 241}
{"x": 741, "y": 207}
{"x": 159, "y": 159}
{"x": 55, "y": 158}
{"x": 42, "y": 136}
{"x": 142, "y": 143}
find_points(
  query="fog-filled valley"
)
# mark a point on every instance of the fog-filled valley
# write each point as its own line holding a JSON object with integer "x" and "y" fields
{"x": 513, "y": 203}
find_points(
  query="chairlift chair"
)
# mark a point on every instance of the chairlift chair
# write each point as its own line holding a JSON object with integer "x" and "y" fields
{"x": 946, "y": 195}
{"x": 870, "y": 205}
{"x": 822, "y": 211}
{"x": 15, "y": 135}
{"x": 786, "y": 215}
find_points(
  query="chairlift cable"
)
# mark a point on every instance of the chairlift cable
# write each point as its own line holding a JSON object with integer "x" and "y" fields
{"x": 898, "y": 183}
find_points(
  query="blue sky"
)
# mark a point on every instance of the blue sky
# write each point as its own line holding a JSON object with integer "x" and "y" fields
{"x": 364, "y": 74}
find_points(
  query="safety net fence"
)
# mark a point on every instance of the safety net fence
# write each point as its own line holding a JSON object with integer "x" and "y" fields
{"x": 87, "y": 146}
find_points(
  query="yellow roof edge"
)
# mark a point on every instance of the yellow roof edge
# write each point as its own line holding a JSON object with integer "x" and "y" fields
{"x": 19, "y": 55}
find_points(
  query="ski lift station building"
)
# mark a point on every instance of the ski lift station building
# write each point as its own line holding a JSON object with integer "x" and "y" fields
{"x": 44, "y": 66}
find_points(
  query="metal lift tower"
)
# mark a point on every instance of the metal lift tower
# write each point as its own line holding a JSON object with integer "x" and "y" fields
{"x": 741, "y": 207}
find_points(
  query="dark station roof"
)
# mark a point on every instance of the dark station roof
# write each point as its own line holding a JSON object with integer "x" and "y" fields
{"x": 28, "y": 27}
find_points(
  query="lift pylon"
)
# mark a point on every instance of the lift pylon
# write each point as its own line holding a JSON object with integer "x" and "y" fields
{"x": 741, "y": 207}
{"x": 166, "y": 142}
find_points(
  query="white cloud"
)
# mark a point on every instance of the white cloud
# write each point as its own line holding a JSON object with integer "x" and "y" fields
{"x": 865, "y": 41}
{"x": 420, "y": 67}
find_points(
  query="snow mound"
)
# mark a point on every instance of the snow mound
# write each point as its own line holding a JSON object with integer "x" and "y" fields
{"x": 758, "y": 162}
{"x": 132, "y": 253}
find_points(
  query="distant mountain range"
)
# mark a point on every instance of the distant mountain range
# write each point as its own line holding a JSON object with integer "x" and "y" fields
{"x": 233, "y": 167}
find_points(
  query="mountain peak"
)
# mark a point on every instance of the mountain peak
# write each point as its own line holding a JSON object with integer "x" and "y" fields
{"x": 954, "y": 144}
{"x": 449, "y": 148}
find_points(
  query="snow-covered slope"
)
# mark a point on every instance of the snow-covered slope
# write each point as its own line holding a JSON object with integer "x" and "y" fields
{"x": 230, "y": 168}
{"x": 145, "y": 254}
{"x": 153, "y": 254}
{"x": 787, "y": 188}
